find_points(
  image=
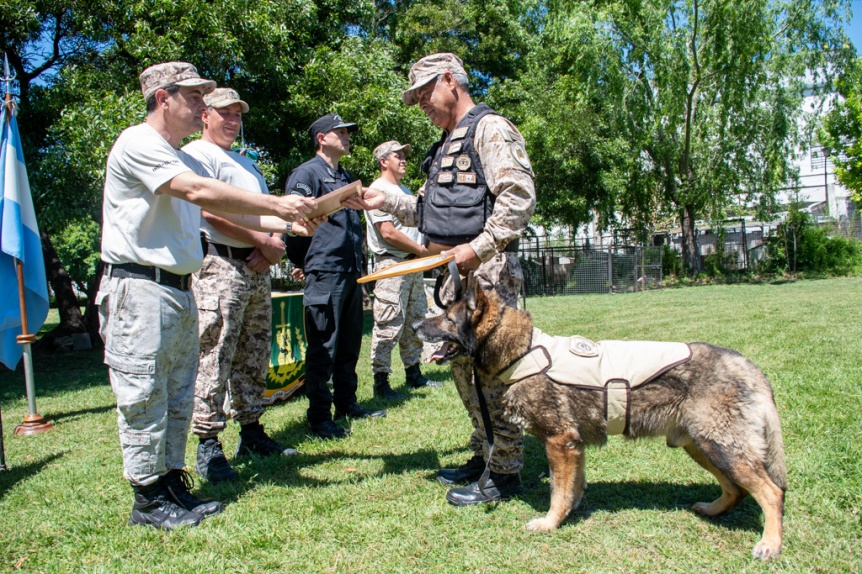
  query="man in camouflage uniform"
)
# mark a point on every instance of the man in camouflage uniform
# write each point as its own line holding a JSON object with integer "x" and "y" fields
{"x": 478, "y": 198}
{"x": 399, "y": 302}
{"x": 232, "y": 291}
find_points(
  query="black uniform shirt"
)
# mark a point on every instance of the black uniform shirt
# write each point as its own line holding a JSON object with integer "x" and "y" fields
{"x": 337, "y": 244}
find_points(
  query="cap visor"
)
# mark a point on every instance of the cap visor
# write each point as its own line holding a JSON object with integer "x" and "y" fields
{"x": 409, "y": 96}
{"x": 208, "y": 85}
{"x": 242, "y": 104}
{"x": 349, "y": 127}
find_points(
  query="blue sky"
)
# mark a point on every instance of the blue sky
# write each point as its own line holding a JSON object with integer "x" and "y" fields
{"x": 854, "y": 28}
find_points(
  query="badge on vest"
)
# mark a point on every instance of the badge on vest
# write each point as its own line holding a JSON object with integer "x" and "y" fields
{"x": 447, "y": 161}
{"x": 465, "y": 177}
{"x": 445, "y": 177}
{"x": 454, "y": 147}
{"x": 459, "y": 133}
{"x": 463, "y": 162}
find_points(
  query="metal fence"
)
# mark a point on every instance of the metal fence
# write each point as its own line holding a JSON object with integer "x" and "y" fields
{"x": 562, "y": 270}
{"x": 572, "y": 270}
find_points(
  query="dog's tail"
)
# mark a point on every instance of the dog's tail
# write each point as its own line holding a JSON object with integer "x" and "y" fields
{"x": 775, "y": 465}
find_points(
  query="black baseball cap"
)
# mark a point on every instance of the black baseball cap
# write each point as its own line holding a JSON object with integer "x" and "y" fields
{"x": 328, "y": 123}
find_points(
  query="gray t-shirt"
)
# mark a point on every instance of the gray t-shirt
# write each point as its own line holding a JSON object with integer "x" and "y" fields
{"x": 139, "y": 224}
{"x": 376, "y": 243}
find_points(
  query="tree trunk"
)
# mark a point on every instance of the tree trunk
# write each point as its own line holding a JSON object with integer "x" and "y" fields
{"x": 690, "y": 252}
{"x": 71, "y": 319}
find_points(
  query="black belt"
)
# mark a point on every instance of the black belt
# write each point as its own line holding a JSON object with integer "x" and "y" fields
{"x": 231, "y": 252}
{"x": 408, "y": 257}
{"x": 160, "y": 276}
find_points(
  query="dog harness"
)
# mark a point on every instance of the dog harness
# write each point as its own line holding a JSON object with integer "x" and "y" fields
{"x": 615, "y": 367}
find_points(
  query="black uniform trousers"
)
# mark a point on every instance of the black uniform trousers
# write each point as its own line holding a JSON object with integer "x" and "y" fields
{"x": 333, "y": 329}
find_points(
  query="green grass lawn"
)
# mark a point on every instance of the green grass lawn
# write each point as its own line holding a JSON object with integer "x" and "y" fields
{"x": 370, "y": 503}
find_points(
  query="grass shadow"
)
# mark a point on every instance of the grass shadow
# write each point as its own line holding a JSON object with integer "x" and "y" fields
{"x": 15, "y": 474}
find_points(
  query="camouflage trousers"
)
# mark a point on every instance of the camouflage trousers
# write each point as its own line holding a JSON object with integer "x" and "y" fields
{"x": 151, "y": 348}
{"x": 503, "y": 273}
{"x": 398, "y": 303}
{"x": 235, "y": 324}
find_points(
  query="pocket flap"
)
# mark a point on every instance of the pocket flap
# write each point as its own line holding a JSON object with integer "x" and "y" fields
{"x": 207, "y": 303}
{"x": 309, "y": 299}
{"x": 135, "y": 365}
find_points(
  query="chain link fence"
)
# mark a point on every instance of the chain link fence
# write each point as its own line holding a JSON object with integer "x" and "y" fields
{"x": 572, "y": 270}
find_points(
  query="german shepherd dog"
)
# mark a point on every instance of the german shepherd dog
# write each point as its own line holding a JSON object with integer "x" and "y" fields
{"x": 717, "y": 406}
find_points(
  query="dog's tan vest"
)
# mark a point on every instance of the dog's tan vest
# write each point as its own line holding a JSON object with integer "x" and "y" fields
{"x": 615, "y": 366}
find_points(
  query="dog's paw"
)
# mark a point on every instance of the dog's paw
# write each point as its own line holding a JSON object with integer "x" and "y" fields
{"x": 707, "y": 508}
{"x": 766, "y": 550}
{"x": 541, "y": 525}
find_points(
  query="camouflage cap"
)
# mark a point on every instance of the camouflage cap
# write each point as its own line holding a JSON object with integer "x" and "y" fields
{"x": 427, "y": 69}
{"x": 386, "y": 148}
{"x": 224, "y": 97}
{"x": 172, "y": 74}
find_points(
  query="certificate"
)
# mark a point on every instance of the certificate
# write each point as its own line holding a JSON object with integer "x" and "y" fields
{"x": 331, "y": 202}
{"x": 405, "y": 267}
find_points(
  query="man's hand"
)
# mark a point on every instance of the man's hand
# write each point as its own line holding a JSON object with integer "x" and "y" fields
{"x": 272, "y": 249}
{"x": 368, "y": 198}
{"x": 465, "y": 257}
{"x": 307, "y": 228}
{"x": 297, "y": 274}
{"x": 257, "y": 262}
{"x": 295, "y": 207}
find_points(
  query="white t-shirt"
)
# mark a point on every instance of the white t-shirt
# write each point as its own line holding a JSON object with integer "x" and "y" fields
{"x": 232, "y": 168}
{"x": 376, "y": 243}
{"x": 140, "y": 225}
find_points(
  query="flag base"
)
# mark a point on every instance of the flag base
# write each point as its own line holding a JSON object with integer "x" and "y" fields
{"x": 33, "y": 424}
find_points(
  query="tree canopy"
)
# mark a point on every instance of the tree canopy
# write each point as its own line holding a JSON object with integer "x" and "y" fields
{"x": 635, "y": 112}
{"x": 842, "y": 131}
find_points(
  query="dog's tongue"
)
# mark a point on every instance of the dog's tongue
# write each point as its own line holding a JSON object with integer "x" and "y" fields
{"x": 439, "y": 354}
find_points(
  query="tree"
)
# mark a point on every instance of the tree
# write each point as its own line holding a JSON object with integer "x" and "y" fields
{"x": 842, "y": 131}
{"x": 682, "y": 105}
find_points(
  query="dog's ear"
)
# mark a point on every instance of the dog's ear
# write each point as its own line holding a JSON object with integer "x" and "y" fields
{"x": 474, "y": 292}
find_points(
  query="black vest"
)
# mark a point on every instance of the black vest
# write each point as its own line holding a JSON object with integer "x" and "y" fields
{"x": 457, "y": 202}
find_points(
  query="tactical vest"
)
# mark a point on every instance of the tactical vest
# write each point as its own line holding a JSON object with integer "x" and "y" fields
{"x": 457, "y": 201}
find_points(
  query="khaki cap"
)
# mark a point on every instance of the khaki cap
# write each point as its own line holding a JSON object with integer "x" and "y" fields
{"x": 172, "y": 74}
{"x": 224, "y": 97}
{"x": 427, "y": 69}
{"x": 386, "y": 148}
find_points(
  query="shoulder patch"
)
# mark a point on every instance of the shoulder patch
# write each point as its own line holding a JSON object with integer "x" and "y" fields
{"x": 302, "y": 188}
{"x": 520, "y": 154}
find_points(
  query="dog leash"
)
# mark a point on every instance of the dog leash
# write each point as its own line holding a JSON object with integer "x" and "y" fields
{"x": 489, "y": 431}
{"x": 483, "y": 404}
{"x": 456, "y": 280}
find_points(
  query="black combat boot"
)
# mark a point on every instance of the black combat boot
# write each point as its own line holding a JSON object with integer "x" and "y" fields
{"x": 464, "y": 474}
{"x": 497, "y": 487}
{"x": 416, "y": 380}
{"x": 154, "y": 507}
{"x": 253, "y": 440}
{"x": 179, "y": 484}
{"x": 382, "y": 390}
{"x": 212, "y": 463}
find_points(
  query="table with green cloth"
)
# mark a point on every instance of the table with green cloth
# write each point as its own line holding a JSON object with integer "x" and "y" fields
{"x": 287, "y": 355}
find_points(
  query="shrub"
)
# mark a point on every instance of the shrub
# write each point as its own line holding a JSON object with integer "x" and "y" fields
{"x": 800, "y": 245}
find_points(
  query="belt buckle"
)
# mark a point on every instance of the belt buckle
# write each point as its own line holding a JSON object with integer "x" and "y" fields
{"x": 158, "y": 276}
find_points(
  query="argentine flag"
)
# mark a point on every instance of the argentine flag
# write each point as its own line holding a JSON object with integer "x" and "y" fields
{"x": 19, "y": 238}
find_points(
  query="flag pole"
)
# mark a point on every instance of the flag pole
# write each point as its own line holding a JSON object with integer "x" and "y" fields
{"x": 34, "y": 422}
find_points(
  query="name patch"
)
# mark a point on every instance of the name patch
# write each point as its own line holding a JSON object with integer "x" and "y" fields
{"x": 454, "y": 147}
{"x": 447, "y": 161}
{"x": 459, "y": 133}
{"x": 466, "y": 177}
{"x": 446, "y": 177}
